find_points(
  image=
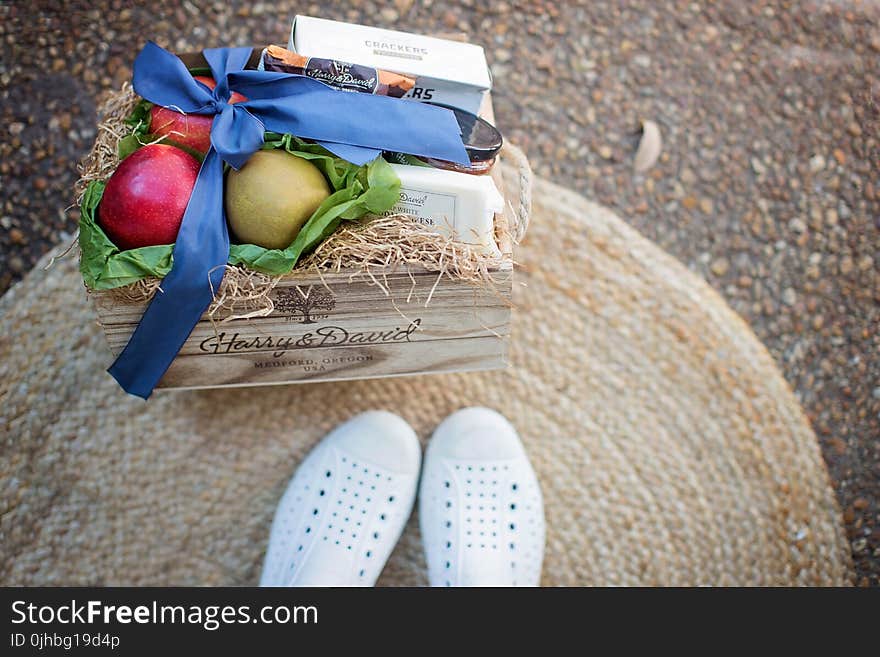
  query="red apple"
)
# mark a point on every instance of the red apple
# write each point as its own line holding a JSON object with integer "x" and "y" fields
{"x": 190, "y": 130}
{"x": 209, "y": 82}
{"x": 144, "y": 200}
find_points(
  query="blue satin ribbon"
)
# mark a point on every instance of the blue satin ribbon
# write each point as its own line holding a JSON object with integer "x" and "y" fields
{"x": 355, "y": 126}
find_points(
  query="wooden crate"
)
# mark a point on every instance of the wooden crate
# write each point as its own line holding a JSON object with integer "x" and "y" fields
{"x": 339, "y": 326}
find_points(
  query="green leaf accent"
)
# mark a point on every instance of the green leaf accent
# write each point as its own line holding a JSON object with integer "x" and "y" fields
{"x": 139, "y": 120}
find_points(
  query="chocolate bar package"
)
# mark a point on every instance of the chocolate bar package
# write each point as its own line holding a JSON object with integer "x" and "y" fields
{"x": 342, "y": 75}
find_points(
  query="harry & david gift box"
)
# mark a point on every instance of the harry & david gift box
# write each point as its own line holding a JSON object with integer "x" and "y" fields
{"x": 344, "y": 318}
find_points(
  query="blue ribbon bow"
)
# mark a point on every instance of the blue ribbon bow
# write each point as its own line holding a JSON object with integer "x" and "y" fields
{"x": 355, "y": 126}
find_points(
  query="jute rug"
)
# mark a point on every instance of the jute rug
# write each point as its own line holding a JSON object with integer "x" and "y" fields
{"x": 669, "y": 448}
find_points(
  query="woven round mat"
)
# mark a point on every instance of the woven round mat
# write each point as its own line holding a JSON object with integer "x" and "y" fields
{"x": 668, "y": 446}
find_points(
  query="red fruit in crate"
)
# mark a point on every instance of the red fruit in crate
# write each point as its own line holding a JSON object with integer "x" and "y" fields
{"x": 190, "y": 130}
{"x": 144, "y": 200}
{"x": 209, "y": 82}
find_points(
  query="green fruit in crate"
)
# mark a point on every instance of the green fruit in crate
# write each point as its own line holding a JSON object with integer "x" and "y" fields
{"x": 270, "y": 198}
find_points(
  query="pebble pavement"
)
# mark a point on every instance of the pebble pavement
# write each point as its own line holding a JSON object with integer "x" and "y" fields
{"x": 767, "y": 184}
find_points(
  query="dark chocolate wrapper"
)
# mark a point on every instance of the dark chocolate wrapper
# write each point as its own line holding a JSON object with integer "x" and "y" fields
{"x": 342, "y": 75}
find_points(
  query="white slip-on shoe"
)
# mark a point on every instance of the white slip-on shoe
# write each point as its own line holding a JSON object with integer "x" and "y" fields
{"x": 480, "y": 508}
{"x": 346, "y": 506}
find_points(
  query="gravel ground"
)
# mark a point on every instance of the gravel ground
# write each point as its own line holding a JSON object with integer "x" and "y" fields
{"x": 767, "y": 184}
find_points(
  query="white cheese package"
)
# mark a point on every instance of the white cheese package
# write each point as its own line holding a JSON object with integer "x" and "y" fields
{"x": 448, "y": 72}
{"x": 460, "y": 205}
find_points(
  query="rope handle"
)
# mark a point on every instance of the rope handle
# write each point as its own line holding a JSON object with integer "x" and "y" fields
{"x": 519, "y": 185}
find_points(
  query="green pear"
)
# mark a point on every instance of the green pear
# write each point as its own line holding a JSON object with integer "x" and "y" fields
{"x": 270, "y": 198}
